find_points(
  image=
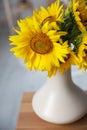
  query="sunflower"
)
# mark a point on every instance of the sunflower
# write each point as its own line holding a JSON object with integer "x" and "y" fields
{"x": 82, "y": 53}
{"x": 83, "y": 10}
{"x": 52, "y": 14}
{"x": 80, "y": 13}
{"x": 70, "y": 60}
{"x": 39, "y": 47}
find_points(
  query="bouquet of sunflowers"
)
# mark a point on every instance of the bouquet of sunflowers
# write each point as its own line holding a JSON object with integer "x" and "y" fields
{"x": 53, "y": 38}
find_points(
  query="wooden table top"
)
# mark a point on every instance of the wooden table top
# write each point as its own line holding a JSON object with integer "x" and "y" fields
{"x": 28, "y": 120}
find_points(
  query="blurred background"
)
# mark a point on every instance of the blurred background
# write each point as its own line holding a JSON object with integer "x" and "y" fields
{"x": 15, "y": 79}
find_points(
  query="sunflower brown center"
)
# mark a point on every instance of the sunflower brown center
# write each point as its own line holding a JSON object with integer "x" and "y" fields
{"x": 66, "y": 58}
{"x": 85, "y": 55}
{"x": 85, "y": 51}
{"x": 41, "y": 44}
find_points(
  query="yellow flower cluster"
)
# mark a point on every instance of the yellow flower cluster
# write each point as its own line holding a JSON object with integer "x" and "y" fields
{"x": 79, "y": 13}
{"x": 45, "y": 39}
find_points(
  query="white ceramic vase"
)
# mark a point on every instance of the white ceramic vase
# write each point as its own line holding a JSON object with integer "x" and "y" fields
{"x": 60, "y": 101}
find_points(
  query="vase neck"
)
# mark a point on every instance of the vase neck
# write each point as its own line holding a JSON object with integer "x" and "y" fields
{"x": 61, "y": 79}
{"x": 65, "y": 77}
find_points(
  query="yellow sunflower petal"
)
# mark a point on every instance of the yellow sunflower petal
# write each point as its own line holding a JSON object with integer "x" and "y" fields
{"x": 52, "y": 71}
{"x": 71, "y": 60}
{"x": 82, "y": 53}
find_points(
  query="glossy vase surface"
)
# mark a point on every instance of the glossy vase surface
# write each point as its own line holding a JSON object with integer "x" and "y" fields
{"x": 59, "y": 100}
